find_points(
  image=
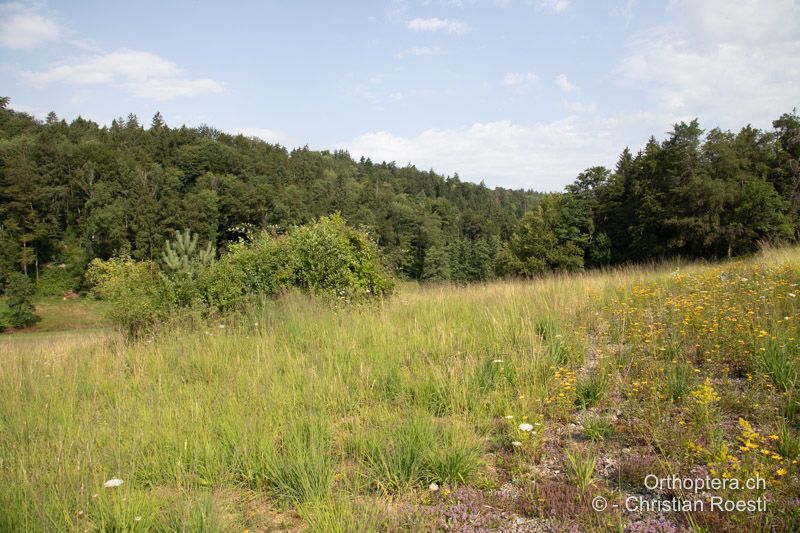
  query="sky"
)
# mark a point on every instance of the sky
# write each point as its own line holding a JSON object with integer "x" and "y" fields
{"x": 518, "y": 93}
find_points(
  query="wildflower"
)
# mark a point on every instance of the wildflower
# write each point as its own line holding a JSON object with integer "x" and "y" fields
{"x": 526, "y": 427}
{"x": 509, "y": 417}
{"x": 433, "y": 487}
{"x": 113, "y": 482}
{"x": 137, "y": 518}
{"x": 221, "y": 326}
{"x": 793, "y": 295}
{"x": 774, "y": 437}
{"x": 781, "y": 472}
{"x": 516, "y": 444}
{"x": 497, "y": 361}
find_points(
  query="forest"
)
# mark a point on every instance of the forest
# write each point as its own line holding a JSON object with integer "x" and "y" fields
{"x": 73, "y": 192}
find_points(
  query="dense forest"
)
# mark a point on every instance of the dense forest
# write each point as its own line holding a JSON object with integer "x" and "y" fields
{"x": 71, "y": 192}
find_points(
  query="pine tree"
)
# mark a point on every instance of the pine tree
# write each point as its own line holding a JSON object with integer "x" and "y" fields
{"x": 183, "y": 259}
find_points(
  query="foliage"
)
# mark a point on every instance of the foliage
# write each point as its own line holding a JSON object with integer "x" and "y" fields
{"x": 326, "y": 258}
{"x": 124, "y": 189}
{"x": 55, "y": 280}
{"x": 20, "y": 291}
{"x": 545, "y": 240}
{"x": 183, "y": 264}
{"x": 138, "y": 296}
{"x": 581, "y": 467}
{"x": 296, "y": 415}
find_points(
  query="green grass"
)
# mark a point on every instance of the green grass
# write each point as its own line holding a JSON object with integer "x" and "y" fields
{"x": 58, "y": 314}
{"x": 291, "y": 414}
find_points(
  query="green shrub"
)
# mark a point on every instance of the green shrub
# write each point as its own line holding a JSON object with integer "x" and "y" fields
{"x": 56, "y": 280}
{"x": 183, "y": 262}
{"x": 20, "y": 290}
{"x": 332, "y": 258}
{"x": 326, "y": 258}
{"x": 138, "y": 295}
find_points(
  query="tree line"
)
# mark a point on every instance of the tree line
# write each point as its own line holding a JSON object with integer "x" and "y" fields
{"x": 73, "y": 192}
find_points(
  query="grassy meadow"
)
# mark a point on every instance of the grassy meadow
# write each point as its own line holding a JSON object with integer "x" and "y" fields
{"x": 504, "y": 406}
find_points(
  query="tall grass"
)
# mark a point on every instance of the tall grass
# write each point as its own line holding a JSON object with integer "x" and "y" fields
{"x": 291, "y": 405}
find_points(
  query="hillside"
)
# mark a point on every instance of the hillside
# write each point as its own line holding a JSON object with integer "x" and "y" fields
{"x": 504, "y": 405}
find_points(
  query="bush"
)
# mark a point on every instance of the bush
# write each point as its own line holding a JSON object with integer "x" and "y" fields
{"x": 20, "y": 290}
{"x": 56, "y": 280}
{"x": 326, "y": 258}
{"x": 329, "y": 257}
{"x": 139, "y": 296}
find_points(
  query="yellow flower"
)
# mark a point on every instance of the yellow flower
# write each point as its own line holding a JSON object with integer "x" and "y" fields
{"x": 781, "y": 472}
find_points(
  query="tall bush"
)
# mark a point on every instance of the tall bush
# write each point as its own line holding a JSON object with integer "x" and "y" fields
{"x": 138, "y": 295}
{"x": 326, "y": 258}
{"x": 20, "y": 290}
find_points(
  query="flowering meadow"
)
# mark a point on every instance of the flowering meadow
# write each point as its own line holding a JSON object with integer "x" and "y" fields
{"x": 571, "y": 403}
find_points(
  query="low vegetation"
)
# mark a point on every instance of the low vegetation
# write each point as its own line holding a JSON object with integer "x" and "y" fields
{"x": 510, "y": 404}
{"x": 327, "y": 259}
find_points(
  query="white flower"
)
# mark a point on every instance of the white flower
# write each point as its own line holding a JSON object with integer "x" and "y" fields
{"x": 497, "y": 361}
{"x": 516, "y": 444}
{"x": 255, "y": 323}
{"x": 793, "y": 295}
{"x": 137, "y": 518}
{"x": 525, "y": 426}
{"x": 221, "y": 326}
{"x": 433, "y": 487}
{"x": 113, "y": 482}
{"x": 509, "y": 417}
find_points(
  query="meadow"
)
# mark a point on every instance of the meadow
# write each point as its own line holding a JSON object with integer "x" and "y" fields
{"x": 502, "y": 406}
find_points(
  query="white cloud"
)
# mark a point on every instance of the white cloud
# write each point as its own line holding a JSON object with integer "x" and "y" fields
{"x": 140, "y": 73}
{"x": 270, "y": 136}
{"x": 418, "y": 51}
{"x": 454, "y": 26}
{"x": 520, "y": 82}
{"x": 33, "y": 111}
{"x": 580, "y": 107}
{"x": 626, "y": 11}
{"x": 553, "y": 6}
{"x": 22, "y": 28}
{"x": 542, "y": 156}
{"x": 565, "y": 85}
{"x": 729, "y": 63}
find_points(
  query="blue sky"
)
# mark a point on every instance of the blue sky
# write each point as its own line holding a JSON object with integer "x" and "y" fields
{"x": 522, "y": 94}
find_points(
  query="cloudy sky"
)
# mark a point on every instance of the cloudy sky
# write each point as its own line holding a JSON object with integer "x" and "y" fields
{"x": 522, "y": 94}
